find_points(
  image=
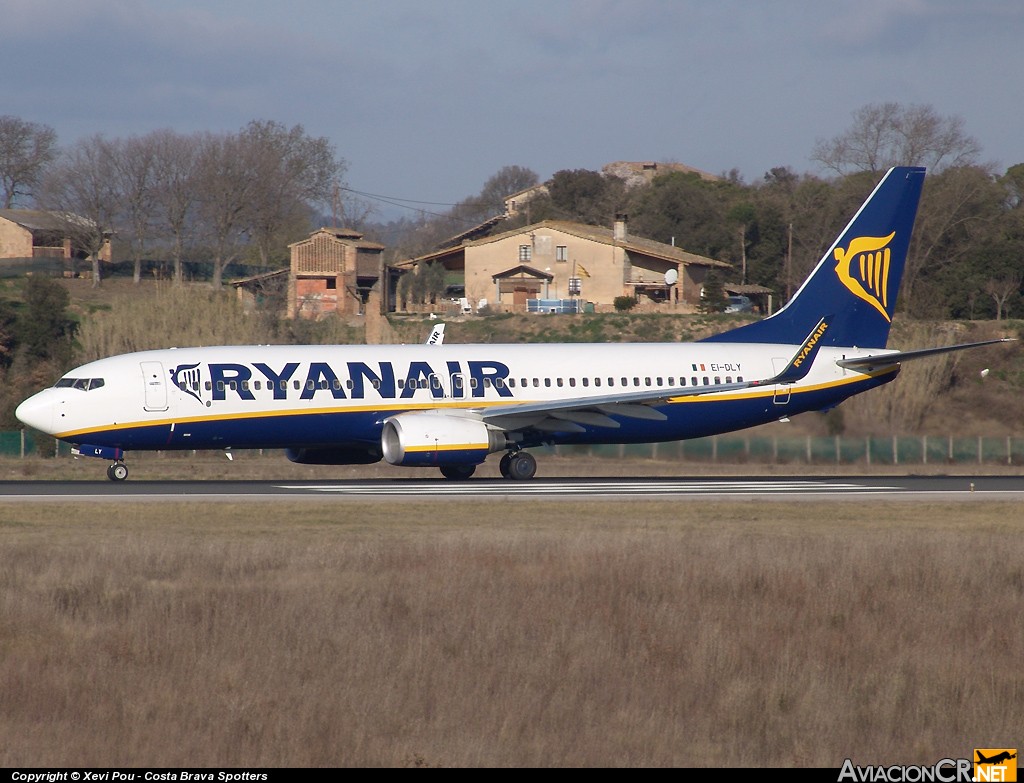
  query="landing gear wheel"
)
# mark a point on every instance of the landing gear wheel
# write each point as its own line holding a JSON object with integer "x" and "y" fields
{"x": 522, "y": 466}
{"x": 504, "y": 466}
{"x": 458, "y": 472}
{"x": 117, "y": 472}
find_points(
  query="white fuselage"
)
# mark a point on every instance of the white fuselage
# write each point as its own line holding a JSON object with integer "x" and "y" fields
{"x": 296, "y": 396}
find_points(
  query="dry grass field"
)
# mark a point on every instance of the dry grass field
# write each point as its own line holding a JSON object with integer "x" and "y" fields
{"x": 473, "y": 633}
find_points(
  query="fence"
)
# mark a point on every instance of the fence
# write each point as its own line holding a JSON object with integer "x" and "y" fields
{"x": 729, "y": 449}
{"x": 812, "y": 450}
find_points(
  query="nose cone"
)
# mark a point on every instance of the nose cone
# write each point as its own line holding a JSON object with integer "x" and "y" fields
{"x": 37, "y": 412}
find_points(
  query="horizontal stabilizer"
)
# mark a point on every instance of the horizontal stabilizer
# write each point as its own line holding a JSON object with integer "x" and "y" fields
{"x": 866, "y": 363}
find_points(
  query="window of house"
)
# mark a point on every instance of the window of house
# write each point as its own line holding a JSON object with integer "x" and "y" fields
{"x": 332, "y": 283}
{"x": 525, "y": 252}
{"x": 561, "y": 253}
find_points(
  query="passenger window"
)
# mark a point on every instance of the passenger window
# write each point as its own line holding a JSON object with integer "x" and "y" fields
{"x": 559, "y": 382}
{"x": 547, "y": 382}
{"x": 586, "y": 381}
{"x": 572, "y": 381}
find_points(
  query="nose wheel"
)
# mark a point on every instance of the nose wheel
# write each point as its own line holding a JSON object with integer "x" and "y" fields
{"x": 117, "y": 472}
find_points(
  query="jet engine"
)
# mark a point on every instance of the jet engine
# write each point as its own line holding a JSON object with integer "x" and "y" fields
{"x": 434, "y": 438}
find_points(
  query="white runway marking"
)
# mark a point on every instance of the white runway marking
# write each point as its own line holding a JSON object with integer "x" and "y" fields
{"x": 710, "y": 488}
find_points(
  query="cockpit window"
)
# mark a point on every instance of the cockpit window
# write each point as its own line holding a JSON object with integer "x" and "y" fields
{"x": 85, "y": 384}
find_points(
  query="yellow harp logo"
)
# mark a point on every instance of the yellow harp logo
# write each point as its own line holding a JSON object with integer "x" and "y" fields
{"x": 863, "y": 268}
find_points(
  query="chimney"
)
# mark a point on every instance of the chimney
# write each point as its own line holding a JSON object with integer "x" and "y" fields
{"x": 619, "y": 227}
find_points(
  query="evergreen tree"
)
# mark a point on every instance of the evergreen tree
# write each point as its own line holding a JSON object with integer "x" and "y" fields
{"x": 713, "y": 298}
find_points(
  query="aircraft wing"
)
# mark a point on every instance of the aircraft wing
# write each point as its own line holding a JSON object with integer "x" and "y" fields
{"x": 569, "y": 414}
{"x": 868, "y": 363}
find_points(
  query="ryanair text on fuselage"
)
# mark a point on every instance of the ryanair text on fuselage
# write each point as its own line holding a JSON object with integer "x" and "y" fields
{"x": 387, "y": 381}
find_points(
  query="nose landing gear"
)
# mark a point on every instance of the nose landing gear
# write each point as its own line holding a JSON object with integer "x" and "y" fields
{"x": 117, "y": 472}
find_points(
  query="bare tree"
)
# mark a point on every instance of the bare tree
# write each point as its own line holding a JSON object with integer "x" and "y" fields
{"x": 957, "y": 209}
{"x": 134, "y": 166}
{"x": 1002, "y": 288}
{"x": 293, "y": 174}
{"x": 225, "y": 186}
{"x": 175, "y": 172}
{"x": 26, "y": 149}
{"x": 890, "y": 134}
{"x": 81, "y": 187}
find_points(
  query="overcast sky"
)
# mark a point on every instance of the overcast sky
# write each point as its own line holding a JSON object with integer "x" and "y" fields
{"x": 425, "y": 99}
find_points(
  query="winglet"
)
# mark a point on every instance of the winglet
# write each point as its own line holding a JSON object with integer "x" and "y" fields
{"x": 801, "y": 362}
{"x": 436, "y": 335}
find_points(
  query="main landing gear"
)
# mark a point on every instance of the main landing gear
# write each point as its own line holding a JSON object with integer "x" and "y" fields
{"x": 518, "y": 466}
{"x": 514, "y": 465}
{"x": 118, "y": 471}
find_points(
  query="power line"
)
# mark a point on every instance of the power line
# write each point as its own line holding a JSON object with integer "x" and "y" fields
{"x": 403, "y": 203}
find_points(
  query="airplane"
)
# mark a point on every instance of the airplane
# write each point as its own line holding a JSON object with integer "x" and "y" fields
{"x": 451, "y": 406}
{"x": 996, "y": 759}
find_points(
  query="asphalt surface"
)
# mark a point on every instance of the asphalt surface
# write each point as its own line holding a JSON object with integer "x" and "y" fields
{"x": 849, "y": 487}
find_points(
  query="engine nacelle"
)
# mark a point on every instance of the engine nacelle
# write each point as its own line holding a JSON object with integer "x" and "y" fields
{"x": 334, "y": 455}
{"x": 436, "y": 438}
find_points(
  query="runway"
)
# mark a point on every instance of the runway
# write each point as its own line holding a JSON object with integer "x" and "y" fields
{"x": 844, "y": 487}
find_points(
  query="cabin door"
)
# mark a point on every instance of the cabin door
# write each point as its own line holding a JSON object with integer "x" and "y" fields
{"x": 155, "y": 386}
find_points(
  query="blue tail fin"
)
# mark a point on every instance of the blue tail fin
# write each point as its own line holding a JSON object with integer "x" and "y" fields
{"x": 857, "y": 280}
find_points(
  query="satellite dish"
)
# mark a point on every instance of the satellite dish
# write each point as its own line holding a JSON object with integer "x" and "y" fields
{"x": 671, "y": 276}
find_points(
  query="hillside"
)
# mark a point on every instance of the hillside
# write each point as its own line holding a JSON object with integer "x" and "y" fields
{"x": 934, "y": 396}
